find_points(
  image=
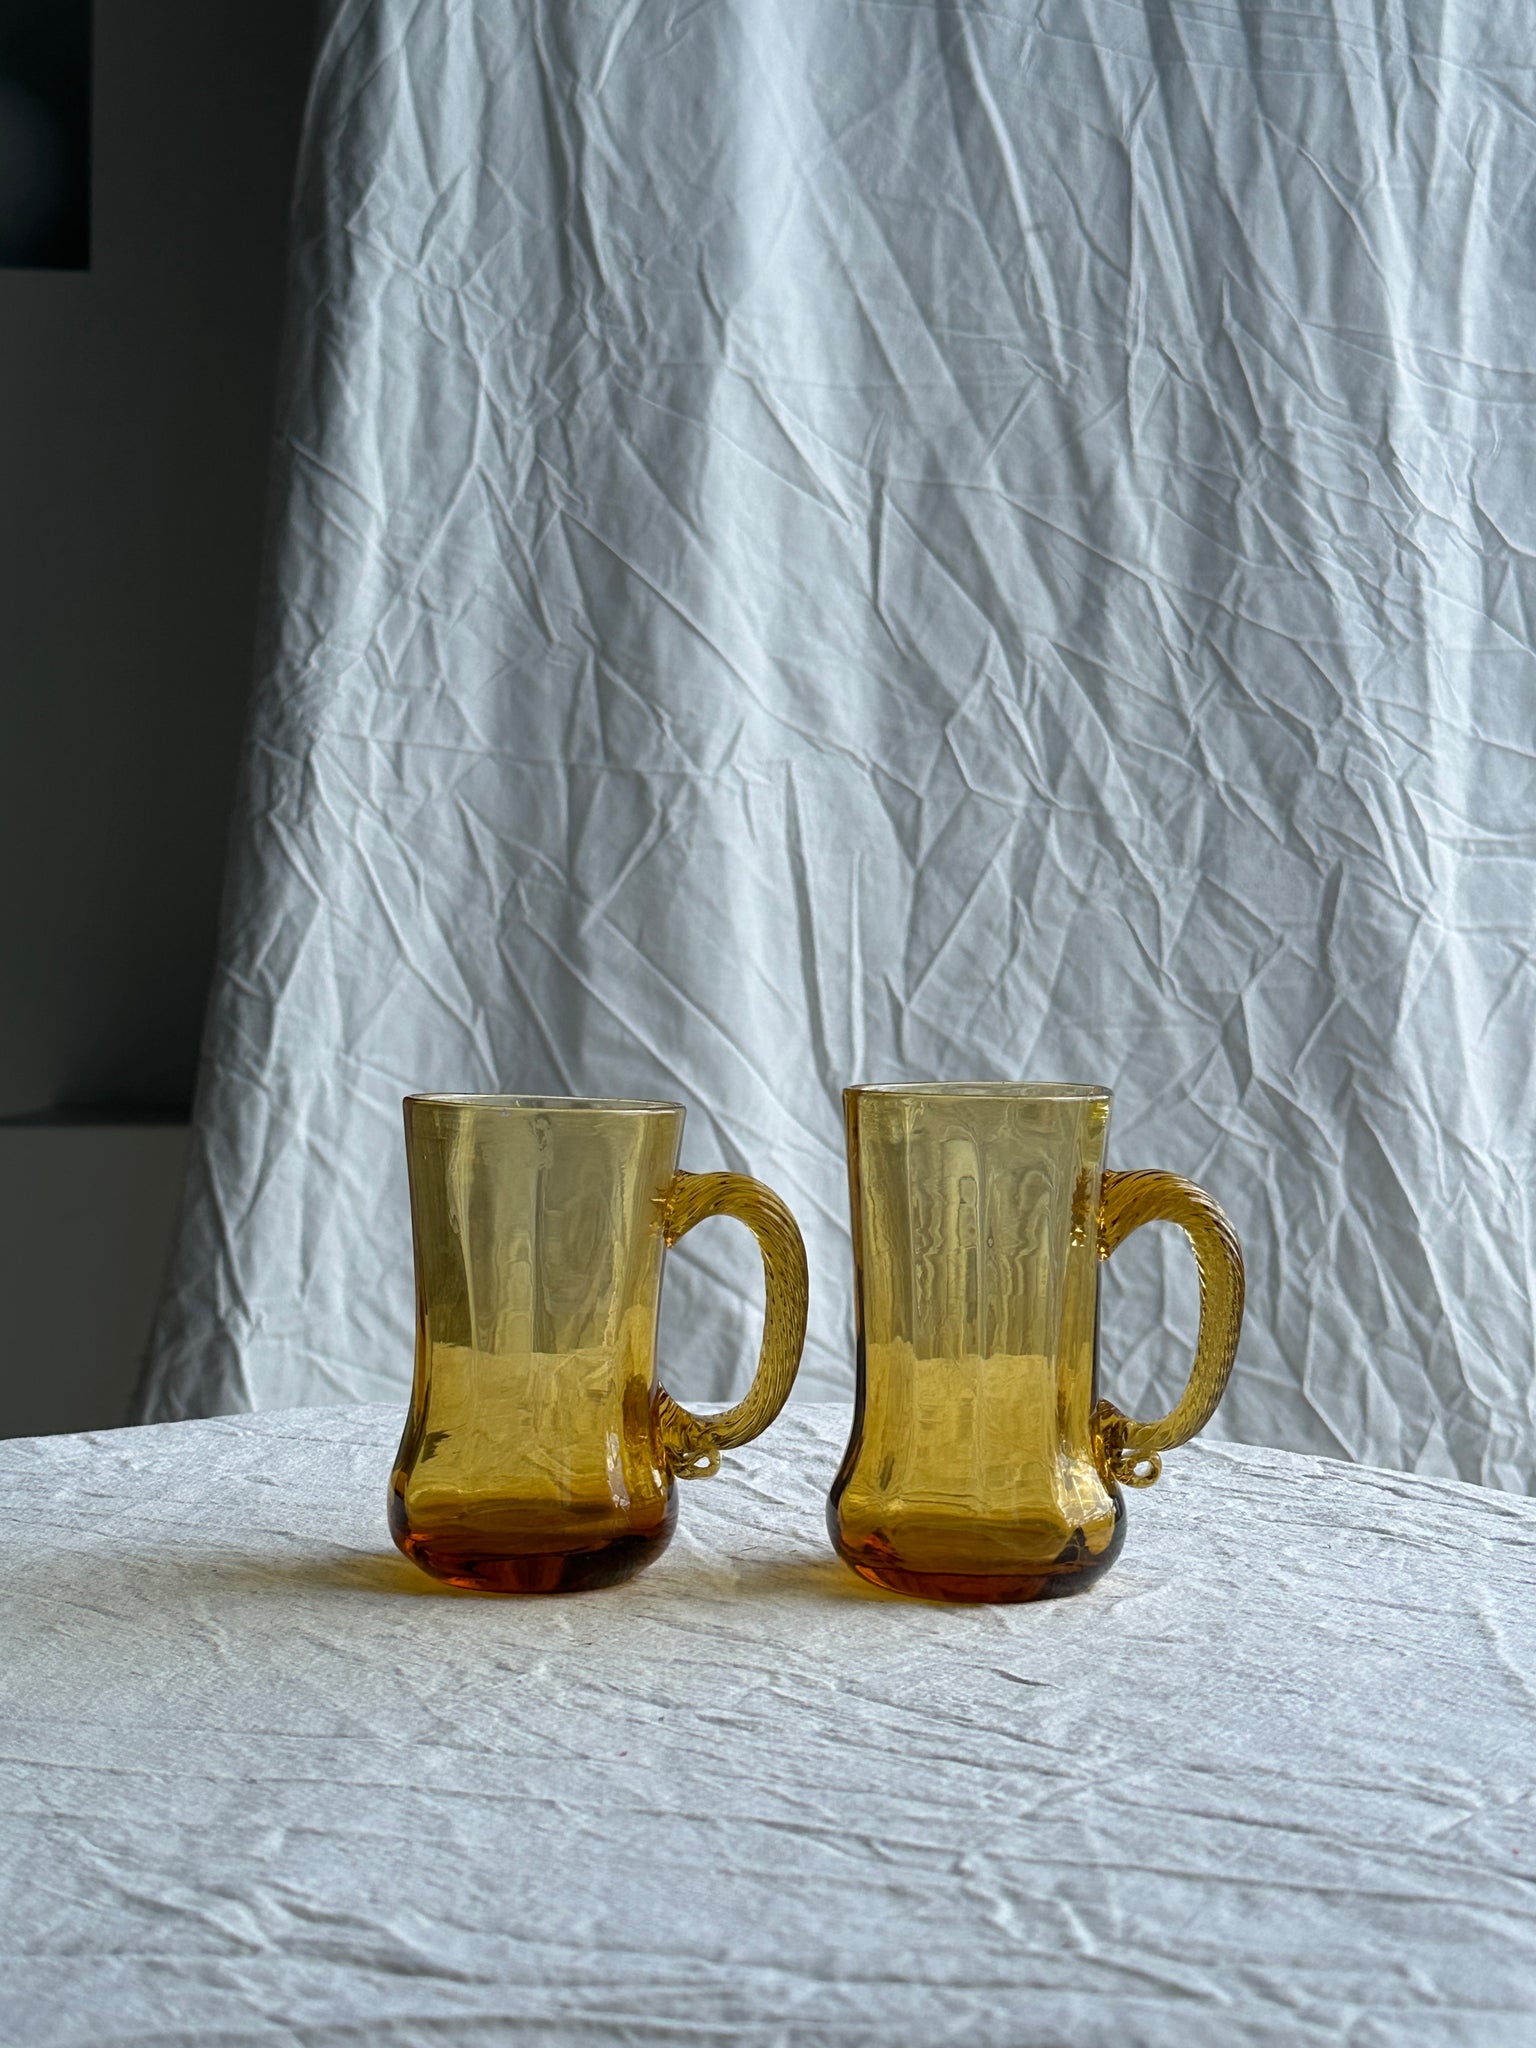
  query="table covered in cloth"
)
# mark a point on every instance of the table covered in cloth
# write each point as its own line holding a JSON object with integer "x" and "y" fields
{"x": 1271, "y": 1780}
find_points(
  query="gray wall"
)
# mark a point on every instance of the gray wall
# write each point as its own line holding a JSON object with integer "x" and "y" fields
{"x": 135, "y": 411}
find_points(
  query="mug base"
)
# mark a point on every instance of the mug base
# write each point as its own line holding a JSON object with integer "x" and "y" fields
{"x": 879, "y": 1563}
{"x": 977, "y": 1589}
{"x": 462, "y": 1556}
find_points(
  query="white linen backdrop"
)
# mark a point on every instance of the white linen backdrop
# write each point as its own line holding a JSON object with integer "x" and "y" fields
{"x": 835, "y": 541}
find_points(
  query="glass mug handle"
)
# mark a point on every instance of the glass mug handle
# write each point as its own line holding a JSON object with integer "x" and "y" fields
{"x": 691, "y": 1443}
{"x": 1127, "y": 1450}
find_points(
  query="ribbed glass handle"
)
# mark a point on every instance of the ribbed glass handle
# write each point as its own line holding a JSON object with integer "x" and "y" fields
{"x": 1128, "y": 1451}
{"x": 690, "y": 1443}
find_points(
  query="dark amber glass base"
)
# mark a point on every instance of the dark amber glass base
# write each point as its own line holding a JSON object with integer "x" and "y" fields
{"x": 484, "y": 1561}
{"x": 882, "y": 1564}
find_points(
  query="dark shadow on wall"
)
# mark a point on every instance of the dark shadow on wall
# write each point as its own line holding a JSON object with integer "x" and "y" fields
{"x": 135, "y": 413}
{"x": 45, "y": 134}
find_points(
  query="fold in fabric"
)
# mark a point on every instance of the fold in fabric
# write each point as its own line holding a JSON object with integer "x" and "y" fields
{"x": 853, "y": 542}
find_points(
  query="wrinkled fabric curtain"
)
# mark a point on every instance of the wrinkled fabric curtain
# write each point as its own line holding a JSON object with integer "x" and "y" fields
{"x": 827, "y": 542}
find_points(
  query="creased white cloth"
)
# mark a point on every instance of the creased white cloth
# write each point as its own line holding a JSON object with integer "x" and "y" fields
{"x": 1271, "y": 1781}
{"x": 860, "y": 542}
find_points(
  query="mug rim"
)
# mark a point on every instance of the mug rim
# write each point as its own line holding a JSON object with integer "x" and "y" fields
{"x": 547, "y": 1105}
{"x": 1011, "y": 1091}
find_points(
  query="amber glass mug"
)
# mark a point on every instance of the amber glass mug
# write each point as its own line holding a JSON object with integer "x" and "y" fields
{"x": 540, "y": 1449}
{"x": 982, "y": 1465}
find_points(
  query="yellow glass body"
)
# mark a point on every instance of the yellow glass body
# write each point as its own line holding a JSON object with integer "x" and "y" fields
{"x": 982, "y": 1465}
{"x": 540, "y": 1448}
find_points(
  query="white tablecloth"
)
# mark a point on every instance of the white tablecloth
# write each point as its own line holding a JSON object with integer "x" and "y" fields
{"x": 1271, "y": 1781}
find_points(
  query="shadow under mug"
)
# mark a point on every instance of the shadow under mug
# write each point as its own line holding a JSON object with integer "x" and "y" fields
{"x": 982, "y": 1465}
{"x": 540, "y": 1448}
